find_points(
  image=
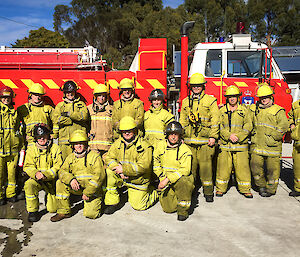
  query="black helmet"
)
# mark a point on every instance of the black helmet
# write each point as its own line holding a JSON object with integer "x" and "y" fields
{"x": 69, "y": 86}
{"x": 174, "y": 127}
{"x": 41, "y": 129}
{"x": 156, "y": 94}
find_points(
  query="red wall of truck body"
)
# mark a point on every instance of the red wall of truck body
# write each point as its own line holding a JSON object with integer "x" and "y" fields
{"x": 20, "y": 80}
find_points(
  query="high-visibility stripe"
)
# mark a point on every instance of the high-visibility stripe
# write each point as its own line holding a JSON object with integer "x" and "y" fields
{"x": 207, "y": 183}
{"x": 100, "y": 118}
{"x": 219, "y": 83}
{"x": 279, "y": 84}
{"x": 95, "y": 142}
{"x": 155, "y": 83}
{"x": 113, "y": 83}
{"x": 8, "y": 83}
{"x": 184, "y": 203}
{"x": 241, "y": 84}
{"x": 243, "y": 183}
{"x": 50, "y": 83}
{"x": 27, "y": 82}
{"x": 138, "y": 85}
{"x": 91, "y": 83}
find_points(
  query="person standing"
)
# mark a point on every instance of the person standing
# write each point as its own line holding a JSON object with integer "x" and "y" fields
{"x": 294, "y": 120}
{"x": 156, "y": 118}
{"x": 100, "y": 111}
{"x": 235, "y": 128}
{"x": 200, "y": 117}
{"x": 69, "y": 115}
{"x": 172, "y": 165}
{"x": 43, "y": 161}
{"x": 10, "y": 143}
{"x": 127, "y": 105}
{"x": 269, "y": 126}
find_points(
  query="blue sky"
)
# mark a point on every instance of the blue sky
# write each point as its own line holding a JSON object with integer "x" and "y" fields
{"x": 36, "y": 13}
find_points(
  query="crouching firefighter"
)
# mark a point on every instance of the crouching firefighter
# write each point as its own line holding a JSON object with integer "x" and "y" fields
{"x": 269, "y": 125}
{"x": 128, "y": 163}
{"x": 42, "y": 162}
{"x": 235, "y": 127}
{"x": 172, "y": 165}
{"x": 81, "y": 174}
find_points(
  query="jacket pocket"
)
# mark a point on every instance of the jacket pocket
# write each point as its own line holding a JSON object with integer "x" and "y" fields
{"x": 270, "y": 141}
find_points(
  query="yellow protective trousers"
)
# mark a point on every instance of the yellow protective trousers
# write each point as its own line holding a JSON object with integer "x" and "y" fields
{"x": 240, "y": 161}
{"x": 140, "y": 197}
{"x": 178, "y": 196}
{"x": 296, "y": 159}
{"x": 272, "y": 172}
{"x": 202, "y": 157}
{"x": 32, "y": 189}
{"x": 8, "y": 167}
{"x": 91, "y": 208}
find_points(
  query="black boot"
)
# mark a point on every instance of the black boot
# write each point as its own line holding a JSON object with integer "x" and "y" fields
{"x": 182, "y": 217}
{"x": 2, "y": 202}
{"x": 33, "y": 216}
{"x": 294, "y": 193}
{"x": 21, "y": 196}
{"x": 209, "y": 198}
{"x": 12, "y": 199}
{"x": 110, "y": 209}
{"x": 262, "y": 191}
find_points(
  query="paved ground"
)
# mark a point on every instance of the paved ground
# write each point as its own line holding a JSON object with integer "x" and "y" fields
{"x": 231, "y": 226}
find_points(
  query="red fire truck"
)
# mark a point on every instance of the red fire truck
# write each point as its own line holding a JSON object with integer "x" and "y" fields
{"x": 239, "y": 61}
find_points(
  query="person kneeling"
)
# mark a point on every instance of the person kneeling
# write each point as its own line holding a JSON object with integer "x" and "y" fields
{"x": 172, "y": 165}
{"x": 81, "y": 174}
{"x": 42, "y": 162}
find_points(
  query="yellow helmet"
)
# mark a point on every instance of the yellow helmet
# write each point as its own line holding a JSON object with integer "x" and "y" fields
{"x": 127, "y": 123}
{"x": 101, "y": 88}
{"x": 78, "y": 136}
{"x": 126, "y": 84}
{"x": 232, "y": 90}
{"x": 36, "y": 88}
{"x": 197, "y": 79}
{"x": 264, "y": 90}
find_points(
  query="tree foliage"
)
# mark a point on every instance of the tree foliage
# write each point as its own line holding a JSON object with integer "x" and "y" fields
{"x": 42, "y": 38}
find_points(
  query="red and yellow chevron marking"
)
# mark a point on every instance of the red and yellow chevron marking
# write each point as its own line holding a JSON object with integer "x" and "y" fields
{"x": 91, "y": 83}
{"x": 27, "y": 82}
{"x": 155, "y": 83}
{"x": 241, "y": 84}
{"x": 220, "y": 83}
{"x": 113, "y": 84}
{"x": 8, "y": 83}
{"x": 50, "y": 83}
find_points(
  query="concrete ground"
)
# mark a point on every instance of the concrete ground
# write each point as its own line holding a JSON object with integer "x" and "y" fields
{"x": 231, "y": 226}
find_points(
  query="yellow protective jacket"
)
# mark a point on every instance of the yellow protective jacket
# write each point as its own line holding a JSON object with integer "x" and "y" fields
{"x": 269, "y": 126}
{"x": 135, "y": 158}
{"x": 133, "y": 108}
{"x": 294, "y": 118}
{"x": 101, "y": 133}
{"x": 68, "y": 117}
{"x": 206, "y": 112}
{"x": 155, "y": 123}
{"x": 10, "y": 137}
{"x": 48, "y": 161}
{"x": 237, "y": 122}
{"x": 31, "y": 115}
{"x": 88, "y": 170}
{"x": 172, "y": 162}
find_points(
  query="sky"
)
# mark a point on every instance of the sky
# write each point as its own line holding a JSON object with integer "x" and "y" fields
{"x": 33, "y": 14}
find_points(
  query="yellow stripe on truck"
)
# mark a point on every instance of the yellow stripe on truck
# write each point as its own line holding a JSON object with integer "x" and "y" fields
{"x": 241, "y": 84}
{"x": 138, "y": 85}
{"x": 155, "y": 83}
{"x": 91, "y": 83}
{"x": 50, "y": 83}
{"x": 8, "y": 83}
{"x": 113, "y": 83}
{"x": 27, "y": 82}
{"x": 219, "y": 84}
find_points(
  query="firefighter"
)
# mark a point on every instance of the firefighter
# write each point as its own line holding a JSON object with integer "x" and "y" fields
{"x": 69, "y": 115}
{"x": 128, "y": 163}
{"x": 294, "y": 120}
{"x": 42, "y": 162}
{"x": 101, "y": 123}
{"x": 127, "y": 105}
{"x": 200, "y": 119}
{"x": 172, "y": 165}
{"x": 9, "y": 145}
{"x": 269, "y": 125}
{"x": 156, "y": 118}
{"x": 235, "y": 128}
{"x": 81, "y": 174}
{"x": 34, "y": 112}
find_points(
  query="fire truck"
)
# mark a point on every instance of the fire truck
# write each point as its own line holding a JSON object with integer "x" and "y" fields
{"x": 237, "y": 61}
